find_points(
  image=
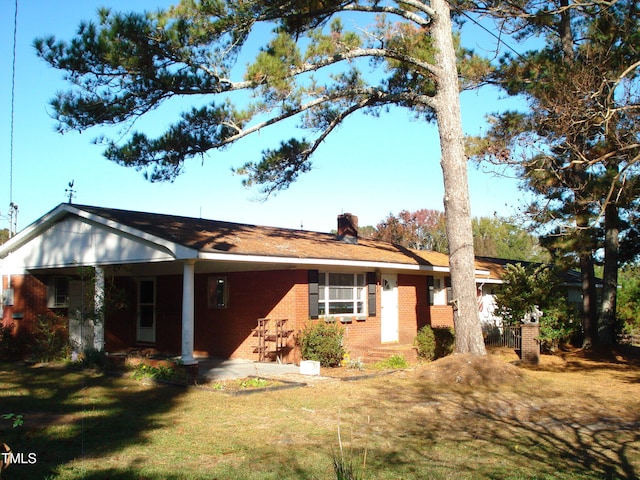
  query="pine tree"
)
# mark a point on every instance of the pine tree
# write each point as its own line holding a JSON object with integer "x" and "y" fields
{"x": 308, "y": 67}
{"x": 577, "y": 147}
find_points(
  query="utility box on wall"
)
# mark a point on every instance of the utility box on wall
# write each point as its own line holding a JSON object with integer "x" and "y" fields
{"x": 7, "y": 297}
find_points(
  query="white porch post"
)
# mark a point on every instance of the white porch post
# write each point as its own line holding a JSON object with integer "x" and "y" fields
{"x": 98, "y": 321}
{"x": 188, "y": 287}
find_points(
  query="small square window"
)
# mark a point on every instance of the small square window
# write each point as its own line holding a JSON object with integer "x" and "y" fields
{"x": 58, "y": 293}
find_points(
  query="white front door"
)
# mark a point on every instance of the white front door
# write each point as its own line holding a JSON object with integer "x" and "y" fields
{"x": 389, "y": 301}
{"x": 146, "y": 323}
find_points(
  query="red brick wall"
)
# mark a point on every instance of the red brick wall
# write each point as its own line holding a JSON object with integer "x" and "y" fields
{"x": 271, "y": 294}
{"x": 360, "y": 336}
{"x": 530, "y": 348}
{"x": 227, "y": 332}
{"x": 30, "y": 300}
{"x": 441, "y": 316}
{"x": 412, "y": 306}
{"x": 224, "y": 332}
{"x": 413, "y": 313}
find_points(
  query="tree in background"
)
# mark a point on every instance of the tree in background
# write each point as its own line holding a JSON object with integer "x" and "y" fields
{"x": 425, "y": 229}
{"x": 4, "y": 235}
{"x": 307, "y": 68}
{"x": 577, "y": 147}
{"x": 504, "y": 238}
{"x": 629, "y": 298}
{"x": 367, "y": 231}
{"x": 529, "y": 286}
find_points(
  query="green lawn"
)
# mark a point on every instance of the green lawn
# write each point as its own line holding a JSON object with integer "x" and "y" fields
{"x": 569, "y": 419}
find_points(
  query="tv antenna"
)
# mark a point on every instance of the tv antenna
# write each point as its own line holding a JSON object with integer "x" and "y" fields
{"x": 13, "y": 219}
{"x": 13, "y": 208}
{"x": 70, "y": 191}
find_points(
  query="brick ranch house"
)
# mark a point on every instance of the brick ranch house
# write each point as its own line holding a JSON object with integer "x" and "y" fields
{"x": 197, "y": 288}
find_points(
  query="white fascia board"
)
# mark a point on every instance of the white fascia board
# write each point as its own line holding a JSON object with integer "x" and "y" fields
{"x": 230, "y": 257}
{"x": 31, "y": 231}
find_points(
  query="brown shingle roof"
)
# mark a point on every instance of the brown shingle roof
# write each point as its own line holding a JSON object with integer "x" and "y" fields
{"x": 212, "y": 236}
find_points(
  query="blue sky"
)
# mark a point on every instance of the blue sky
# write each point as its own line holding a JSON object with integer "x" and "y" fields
{"x": 369, "y": 167}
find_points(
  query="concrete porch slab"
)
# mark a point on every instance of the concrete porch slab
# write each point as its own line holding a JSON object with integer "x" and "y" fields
{"x": 214, "y": 369}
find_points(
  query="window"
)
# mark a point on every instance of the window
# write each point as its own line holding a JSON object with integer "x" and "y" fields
{"x": 342, "y": 294}
{"x": 447, "y": 284}
{"x": 217, "y": 292}
{"x": 147, "y": 302}
{"x": 58, "y": 292}
{"x": 439, "y": 290}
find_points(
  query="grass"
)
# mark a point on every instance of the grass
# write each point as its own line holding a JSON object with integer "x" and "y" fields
{"x": 571, "y": 418}
{"x": 393, "y": 362}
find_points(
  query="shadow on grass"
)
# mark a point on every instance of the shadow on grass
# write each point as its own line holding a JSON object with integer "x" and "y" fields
{"x": 70, "y": 415}
{"x": 624, "y": 357}
{"x": 494, "y": 433}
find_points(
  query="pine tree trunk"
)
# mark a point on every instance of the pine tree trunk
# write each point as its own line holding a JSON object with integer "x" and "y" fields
{"x": 457, "y": 205}
{"x": 589, "y": 314}
{"x": 589, "y": 298}
{"x": 607, "y": 317}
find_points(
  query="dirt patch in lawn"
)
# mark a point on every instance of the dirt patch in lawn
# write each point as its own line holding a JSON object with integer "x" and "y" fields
{"x": 502, "y": 366}
{"x": 468, "y": 369}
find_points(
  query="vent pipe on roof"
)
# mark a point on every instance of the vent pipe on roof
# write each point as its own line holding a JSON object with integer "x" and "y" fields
{"x": 348, "y": 228}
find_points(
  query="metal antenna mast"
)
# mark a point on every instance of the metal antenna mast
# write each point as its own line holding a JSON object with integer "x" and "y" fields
{"x": 13, "y": 208}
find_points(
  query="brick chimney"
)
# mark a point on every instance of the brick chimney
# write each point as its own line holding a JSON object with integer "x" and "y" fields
{"x": 348, "y": 228}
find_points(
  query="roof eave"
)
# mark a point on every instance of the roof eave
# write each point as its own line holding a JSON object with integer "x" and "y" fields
{"x": 326, "y": 262}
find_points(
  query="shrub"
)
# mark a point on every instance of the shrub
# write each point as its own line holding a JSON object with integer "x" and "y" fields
{"x": 557, "y": 326}
{"x": 322, "y": 342}
{"x": 159, "y": 372}
{"x": 434, "y": 343}
{"x": 90, "y": 358}
{"x": 393, "y": 362}
{"x": 425, "y": 341}
{"x": 9, "y": 345}
{"x": 50, "y": 338}
{"x": 445, "y": 341}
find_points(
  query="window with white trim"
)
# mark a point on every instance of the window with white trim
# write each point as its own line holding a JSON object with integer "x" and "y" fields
{"x": 434, "y": 289}
{"x": 58, "y": 292}
{"x": 439, "y": 291}
{"x": 342, "y": 294}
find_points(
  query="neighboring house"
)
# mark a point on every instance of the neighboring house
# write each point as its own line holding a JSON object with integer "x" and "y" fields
{"x": 195, "y": 287}
{"x": 570, "y": 280}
